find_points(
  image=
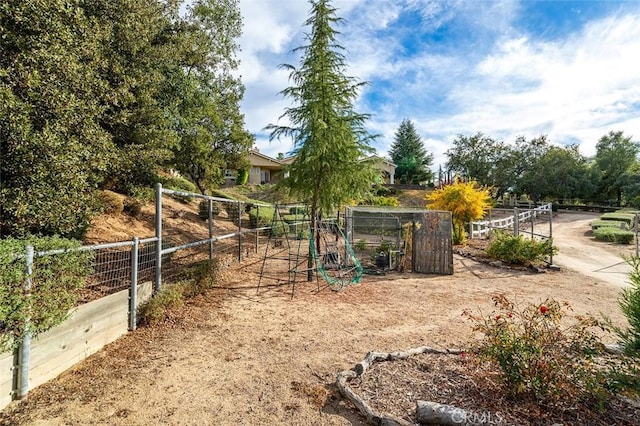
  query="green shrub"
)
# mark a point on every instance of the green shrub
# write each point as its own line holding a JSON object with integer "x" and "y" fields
{"x": 613, "y": 235}
{"x": 111, "y": 202}
{"x": 620, "y": 216}
{"x": 233, "y": 211}
{"x": 607, "y": 224}
{"x": 133, "y": 207}
{"x": 203, "y": 209}
{"x": 200, "y": 277}
{"x": 536, "y": 356}
{"x": 144, "y": 194}
{"x": 178, "y": 183}
{"x": 278, "y": 229}
{"x": 299, "y": 210}
{"x": 242, "y": 177}
{"x": 261, "y": 217}
{"x": 293, "y": 218}
{"x": 519, "y": 250}
{"x": 55, "y": 281}
{"x": 361, "y": 245}
{"x": 630, "y": 306}
{"x": 159, "y": 307}
{"x": 380, "y": 201}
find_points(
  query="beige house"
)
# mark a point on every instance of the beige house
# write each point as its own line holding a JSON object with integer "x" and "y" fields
{"x": 265, "y": 169}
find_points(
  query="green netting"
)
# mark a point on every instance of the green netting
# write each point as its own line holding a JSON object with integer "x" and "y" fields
{"x": 335, "y": 260}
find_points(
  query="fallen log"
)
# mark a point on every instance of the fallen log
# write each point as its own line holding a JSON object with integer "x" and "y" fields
{"x": 344, "y": 377}
{"x": 428, "y": 412}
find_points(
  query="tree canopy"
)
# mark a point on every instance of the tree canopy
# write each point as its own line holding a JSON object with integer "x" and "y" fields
{"x": 540, "y": 170}
{"x": 103, "y": 95}
{"x": 330, "y": 140}
{"x": 412, "y": 160}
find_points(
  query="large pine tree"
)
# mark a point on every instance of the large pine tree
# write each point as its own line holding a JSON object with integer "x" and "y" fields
{"x": 412, "y": 160}
{"x": 330, "y": 140}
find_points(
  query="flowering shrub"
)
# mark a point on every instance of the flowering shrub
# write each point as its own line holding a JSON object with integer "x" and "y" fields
{"x": 538, "y": 358}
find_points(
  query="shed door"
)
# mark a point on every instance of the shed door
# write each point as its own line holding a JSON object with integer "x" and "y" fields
{"x": 432, "y": 250}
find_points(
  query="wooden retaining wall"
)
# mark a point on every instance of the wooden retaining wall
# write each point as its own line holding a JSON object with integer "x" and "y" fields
{"x": 87, "y": 330}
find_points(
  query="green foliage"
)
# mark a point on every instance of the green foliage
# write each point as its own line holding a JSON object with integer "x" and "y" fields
{"x": 278, "y": 229}
{"x": 465, "y": 201}
{"x": 519, "y": 250}
{"x": 111, "y": 202}
{"x": 607, "y": 224}
{"x": 361, "y": 245}
{"x": 630, "y": 306}
{"x": 614, "y": 235}
{"x": 178, "y": 183}
{"x": 107, "y": 94}
{"x": 299, "y": 210}
{"x": 537, "y": 357}
{"x": 200, "y": 277}
{"x": 555, "y": 172}
{"x": 330, "y": 137}
{"x": 410, "y": 156}
{"x": 243, "y": 176}
{"x": 260, "y": 217}
{"x": 292, "y": 218}
{"x": 233, "y": 211}
{"x": 620, "y": 216}
{"x": 615, "y": 156}
{"x": 55, "y": 281}
{"x": 488, "y": 162}
{"x": 380, "y": 201}
{"x": 158, "y": 309}
{"x": 132, "y": 207}
{"x": 203, "y": 209}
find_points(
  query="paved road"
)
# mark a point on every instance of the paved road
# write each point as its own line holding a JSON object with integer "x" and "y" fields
{"x": 579, "y": 251}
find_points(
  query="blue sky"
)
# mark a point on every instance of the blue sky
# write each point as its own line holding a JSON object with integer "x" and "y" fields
{"x": 566, "y": 69}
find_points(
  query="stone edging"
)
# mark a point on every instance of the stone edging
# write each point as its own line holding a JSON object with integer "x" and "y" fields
{"x": 436, "y": 413}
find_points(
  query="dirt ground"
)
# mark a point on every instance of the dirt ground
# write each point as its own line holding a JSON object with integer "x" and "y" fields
{"x": 239, "y": 356}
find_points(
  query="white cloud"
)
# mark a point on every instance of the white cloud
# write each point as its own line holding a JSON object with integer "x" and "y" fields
{"x": 504, "y": 83}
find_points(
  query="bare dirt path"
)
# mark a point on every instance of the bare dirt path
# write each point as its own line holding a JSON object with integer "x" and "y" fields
{"x": 239, "y": 357}
{"x": 580, "y": 252}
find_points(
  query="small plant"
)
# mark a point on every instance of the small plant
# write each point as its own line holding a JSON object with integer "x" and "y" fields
{"x": 55, "y": 281}
{"x": 133, "y": 207}
{"x": 111, "y": 202}
{"x": 361, "y": 245}
{"x": 519, "y": 250}
{"x": 630, "y": 306}
{"x": 159, "y": 307}
{"x": 200, "y": 277}
{"x": 536, "y": 357}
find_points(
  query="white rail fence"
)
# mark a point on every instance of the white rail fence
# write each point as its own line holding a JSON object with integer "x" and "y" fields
{"x": 514, "y": 222}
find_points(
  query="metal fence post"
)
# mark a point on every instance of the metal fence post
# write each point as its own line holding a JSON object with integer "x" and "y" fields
{"x": 25, "y": 346}
{"x": 210, "y": 229}
{"x": 158, "y": 282}
{"x": 258, "y": 226}
{"x": 516, "y": 222}
{"x": 551, "y": 234}
{"x": 133, "y": 292}
{"x": 239, "y": 231}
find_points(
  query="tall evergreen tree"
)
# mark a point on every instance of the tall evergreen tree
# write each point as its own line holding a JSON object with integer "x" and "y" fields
{"x": 412, "y": 160}
{"x": 330, "y": 140}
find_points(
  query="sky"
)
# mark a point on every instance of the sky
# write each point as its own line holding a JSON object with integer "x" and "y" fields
{"x": 505, "y": 68}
